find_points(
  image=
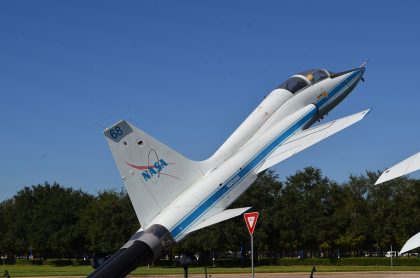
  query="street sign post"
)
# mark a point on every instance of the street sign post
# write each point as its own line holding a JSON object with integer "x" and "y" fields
{"x": 251, "y": 220}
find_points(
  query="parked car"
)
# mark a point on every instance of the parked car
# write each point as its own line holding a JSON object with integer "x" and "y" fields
{"x": 390, "y": 254}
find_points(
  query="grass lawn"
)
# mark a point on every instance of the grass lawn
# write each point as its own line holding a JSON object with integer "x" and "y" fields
{"x": 48, "y": 270}
{"x": 45, "y": 270}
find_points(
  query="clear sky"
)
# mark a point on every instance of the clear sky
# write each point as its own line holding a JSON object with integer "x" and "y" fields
{"x": 188, "y": 73}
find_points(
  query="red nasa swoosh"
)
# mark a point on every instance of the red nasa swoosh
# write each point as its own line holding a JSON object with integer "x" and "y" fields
{"x": 142, "y": 168}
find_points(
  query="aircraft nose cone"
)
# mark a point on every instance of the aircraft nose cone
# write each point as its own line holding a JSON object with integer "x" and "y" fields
{"x": 358, "y": 72}
{"x": 361, "y": 72}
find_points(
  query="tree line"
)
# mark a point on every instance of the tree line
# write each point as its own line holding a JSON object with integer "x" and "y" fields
{"x": 308, "y": 214}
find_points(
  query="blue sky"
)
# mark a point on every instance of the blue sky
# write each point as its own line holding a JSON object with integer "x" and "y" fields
{"x": 188, "y": 73}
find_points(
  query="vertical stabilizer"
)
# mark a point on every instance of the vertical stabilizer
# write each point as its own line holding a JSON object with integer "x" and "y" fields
{"x": 153, "y": 173}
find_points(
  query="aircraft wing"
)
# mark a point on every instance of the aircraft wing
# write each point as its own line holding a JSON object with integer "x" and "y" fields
{"x": 308, "y": 137}
{"x": 411, "y": 244}
{"x": 407, "y": 166}
{"x": 222, "y": 216}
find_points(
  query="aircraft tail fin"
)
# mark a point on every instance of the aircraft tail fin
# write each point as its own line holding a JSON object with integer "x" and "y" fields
{"x": 153, "y": 173}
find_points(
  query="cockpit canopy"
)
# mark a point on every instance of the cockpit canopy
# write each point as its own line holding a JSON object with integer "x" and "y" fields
{"x": 303, "y": 79}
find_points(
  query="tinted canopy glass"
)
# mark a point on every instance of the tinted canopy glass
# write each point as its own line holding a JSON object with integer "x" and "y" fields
{"x": 294, "y": 84}
{"x": 315, "y": 75}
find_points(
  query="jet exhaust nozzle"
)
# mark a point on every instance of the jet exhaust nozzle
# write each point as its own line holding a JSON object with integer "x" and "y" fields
{"x": 144, "y": 246}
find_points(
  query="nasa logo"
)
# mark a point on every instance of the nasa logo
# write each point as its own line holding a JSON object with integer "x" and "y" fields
{"x": 154, "y": 167}
{"x": 154, "y": 170}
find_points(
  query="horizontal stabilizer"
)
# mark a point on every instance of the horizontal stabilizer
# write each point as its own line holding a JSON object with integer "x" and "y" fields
{"x": 411, "y": 244}
{"x": 407, "y": 166}
{"x": 308, "y": 137}
{"x": 222, "y": 216}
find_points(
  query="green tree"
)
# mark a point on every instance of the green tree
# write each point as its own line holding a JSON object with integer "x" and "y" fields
{"x": 308, "y": 212}
{"x": 305, "y": 212}
{"x": 394, "y": 206}
{"x": 354, "y": 216}
{"x": 44, "y": 218}
{"x": 109, "y": 222}
{"x": 13, "y": 237}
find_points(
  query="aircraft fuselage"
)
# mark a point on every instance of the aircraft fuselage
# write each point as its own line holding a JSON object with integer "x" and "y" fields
{"x": 280, "y": 115}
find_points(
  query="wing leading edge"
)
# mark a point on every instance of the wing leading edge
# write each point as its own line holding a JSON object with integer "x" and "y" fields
{"x": 407, "y": 166}
{"x": 412, "y": 243}
{"x": 308, "y": 137}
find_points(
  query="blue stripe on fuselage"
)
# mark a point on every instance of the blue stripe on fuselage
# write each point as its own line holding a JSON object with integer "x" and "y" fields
{"x": 228, "y": 185}
{"x": 334, "y": 92}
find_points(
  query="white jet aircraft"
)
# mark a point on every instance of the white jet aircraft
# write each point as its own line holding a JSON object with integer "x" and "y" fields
{"x": 174, "y": 196}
